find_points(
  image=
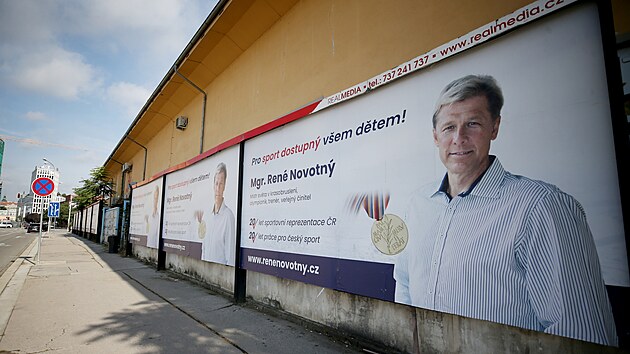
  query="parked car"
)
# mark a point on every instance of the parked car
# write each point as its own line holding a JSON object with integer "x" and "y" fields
{"x": 33, "y": 227}
{"x": 5, "y": 224}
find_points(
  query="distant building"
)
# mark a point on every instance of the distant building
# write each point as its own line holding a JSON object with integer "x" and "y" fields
{"x": 25, "y": 203}
{"x": 8, "y": 211}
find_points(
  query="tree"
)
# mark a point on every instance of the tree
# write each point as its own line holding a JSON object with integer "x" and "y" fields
{"x": 32, "y": 218}
{"x": 63, "y": 213}
{"x": 98, "y": 185}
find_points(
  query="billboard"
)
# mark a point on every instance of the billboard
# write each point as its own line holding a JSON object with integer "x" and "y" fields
{"x": 355, "y": 197}
{"x": 84, "y": 220}
{"x": 94, "y": 211}
{"x": 76, "y": 221}
{"x": 144, "y": 221}
{"x": 110, "y": 225}
{"x": 200, "y": 207}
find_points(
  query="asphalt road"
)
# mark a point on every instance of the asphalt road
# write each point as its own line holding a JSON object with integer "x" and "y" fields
{"x": 13, "y": 242}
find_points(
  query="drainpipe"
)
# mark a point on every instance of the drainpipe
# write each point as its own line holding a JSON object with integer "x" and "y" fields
{"x": 203, "y": 113}
{"x": 144, "y": 170}
{"x": 122, "y": 182}
{"x": 122, "y": 185}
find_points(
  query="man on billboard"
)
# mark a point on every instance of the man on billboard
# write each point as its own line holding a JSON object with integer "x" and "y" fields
{"x": 219, "y": 246}
{"x": 153, "y": 220}
{"x": 487, "y": 244}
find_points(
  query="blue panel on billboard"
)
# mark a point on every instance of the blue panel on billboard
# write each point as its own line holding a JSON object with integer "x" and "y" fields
{"x": 365, "y": 278}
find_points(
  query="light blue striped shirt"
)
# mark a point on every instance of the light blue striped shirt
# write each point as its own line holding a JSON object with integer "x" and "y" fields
{"x": 511, "y": 250}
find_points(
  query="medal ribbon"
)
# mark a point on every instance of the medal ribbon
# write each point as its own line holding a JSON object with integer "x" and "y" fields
{"x": 375, "y": 205}
{"x": 355, "y": 203}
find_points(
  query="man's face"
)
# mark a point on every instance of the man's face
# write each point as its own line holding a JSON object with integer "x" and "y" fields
{"x": 462, "y": 133}
{"x": 219, "y": 184}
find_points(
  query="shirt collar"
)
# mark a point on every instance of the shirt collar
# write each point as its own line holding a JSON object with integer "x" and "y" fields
{"x": 484, "y": 186}
{"x": 220, "y": 208}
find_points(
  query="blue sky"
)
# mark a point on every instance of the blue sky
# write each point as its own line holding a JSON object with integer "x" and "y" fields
{"x": 75, "y": 73}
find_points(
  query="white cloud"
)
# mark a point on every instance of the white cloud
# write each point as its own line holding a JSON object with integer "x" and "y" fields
{"x": 90, "y": 62}
{"x": 35, "y": 116}
{"x": 32, "y": 56}
{"x": 129, "y": 96}
{"x": 147, "y": 23}
{"x": 27, "y": 22}
{"x": 89, "y": 158}
{"x": 153, "y": 32}
{"x": 39, "y": 51}
{"x": 55, "y": 72}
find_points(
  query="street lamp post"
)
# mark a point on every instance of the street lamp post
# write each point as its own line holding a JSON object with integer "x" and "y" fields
{"x": 52, "y": 164}
{"x": 69, "y": 213}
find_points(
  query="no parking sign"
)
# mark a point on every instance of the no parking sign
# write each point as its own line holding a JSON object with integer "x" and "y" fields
{"x": 43, "y": 186}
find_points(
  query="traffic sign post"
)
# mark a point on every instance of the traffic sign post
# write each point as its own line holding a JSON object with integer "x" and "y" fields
{"x": 43, "y": 187}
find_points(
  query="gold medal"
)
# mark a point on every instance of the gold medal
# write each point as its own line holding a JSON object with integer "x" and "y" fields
{"x": 390, "y": 234}
{"x": 201, "y": 224}
{"x": 201, "y": 230}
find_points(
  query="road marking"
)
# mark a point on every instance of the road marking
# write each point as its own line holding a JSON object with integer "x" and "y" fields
{"x": 2, "y": 244}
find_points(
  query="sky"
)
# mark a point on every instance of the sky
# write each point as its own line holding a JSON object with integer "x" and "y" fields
{"x": 74, "y": 74}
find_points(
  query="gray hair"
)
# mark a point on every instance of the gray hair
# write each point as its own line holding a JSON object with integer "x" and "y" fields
{"x": 468, "y": 87}
{"x": 221, "y": 168}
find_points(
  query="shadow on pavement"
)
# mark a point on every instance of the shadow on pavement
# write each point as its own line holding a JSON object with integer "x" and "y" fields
{"x": 157, "y": 312}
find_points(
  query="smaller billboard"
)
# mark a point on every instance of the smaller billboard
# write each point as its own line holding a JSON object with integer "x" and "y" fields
{"x": 144, "y": 222}
{"x": 110, "y": 218}
{"x": 200, "y": 206}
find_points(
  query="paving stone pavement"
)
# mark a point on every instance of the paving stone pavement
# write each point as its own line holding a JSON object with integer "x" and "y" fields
{"x": 79, "y": 299}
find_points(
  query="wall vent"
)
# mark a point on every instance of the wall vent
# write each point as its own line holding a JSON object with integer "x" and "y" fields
{"x": 181, "y": 122}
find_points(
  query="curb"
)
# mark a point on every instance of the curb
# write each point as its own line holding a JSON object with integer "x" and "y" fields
{"x": 8, "y": 274}
{"x": 11, "y": 284}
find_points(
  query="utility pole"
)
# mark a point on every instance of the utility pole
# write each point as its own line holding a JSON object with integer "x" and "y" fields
{"x": 70, "y": 213}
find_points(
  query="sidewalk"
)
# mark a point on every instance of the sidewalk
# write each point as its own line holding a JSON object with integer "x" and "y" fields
{"x": 79, "y": 299}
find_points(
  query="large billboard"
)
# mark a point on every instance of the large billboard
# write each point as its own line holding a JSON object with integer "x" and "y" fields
{"x": 94, "y": 211}
{"x": 84, "y": 220}
{"x": 144, "y": 221}
{"x": 200, "y": 207}
{"x": 363, "y": 196}
{"x": 76, "y": 221}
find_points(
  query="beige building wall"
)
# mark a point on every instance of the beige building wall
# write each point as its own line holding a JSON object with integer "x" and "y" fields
{"x": 314, "y": 50}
